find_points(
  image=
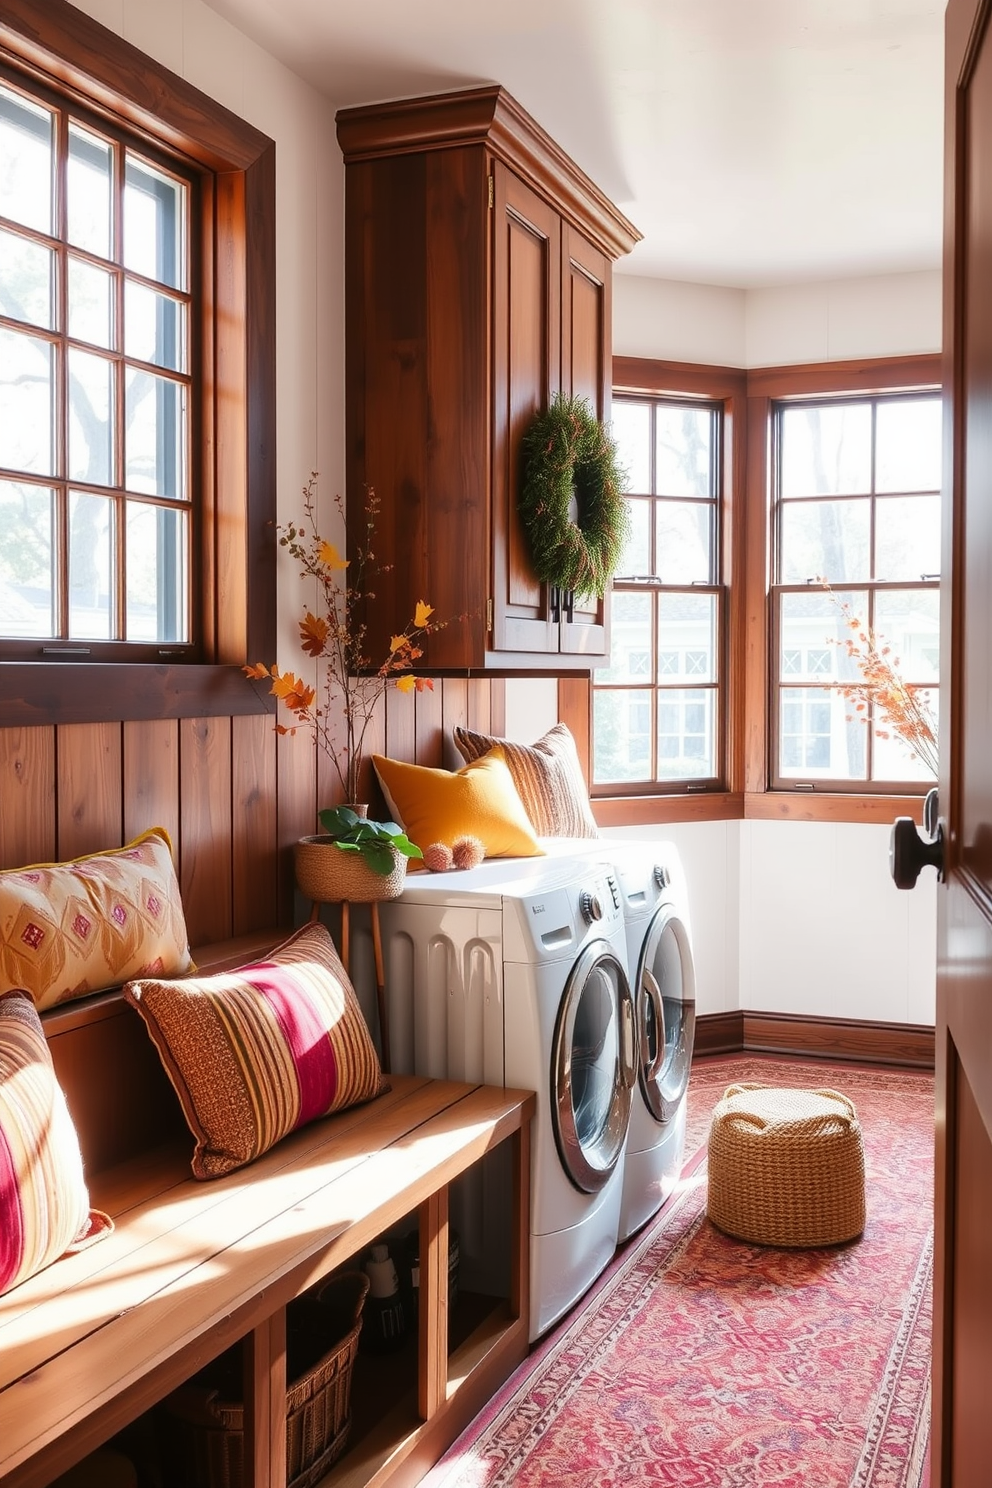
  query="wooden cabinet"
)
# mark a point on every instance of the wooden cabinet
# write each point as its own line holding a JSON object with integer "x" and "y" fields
{"x": 478, "y": 265}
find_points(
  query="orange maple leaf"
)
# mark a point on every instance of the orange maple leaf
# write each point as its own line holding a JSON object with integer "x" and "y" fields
{"x": 422, "y": 614}
{"x": 422, "y": 684}
{"x": 330, "y": 557}
{"x": 406, "y": 684}
{"x": 256, "y": 669}
{"x": 313, "y": 634}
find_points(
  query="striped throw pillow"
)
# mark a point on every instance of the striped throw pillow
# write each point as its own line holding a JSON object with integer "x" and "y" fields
{"x": 257, "y": 1052}
{"x": 44, "y": 1203}
{"x": 548, "y": 778}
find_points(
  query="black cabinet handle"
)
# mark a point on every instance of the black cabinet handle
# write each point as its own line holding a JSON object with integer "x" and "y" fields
{"x": 569, "y": 598}
{"x": 554, "y": 602}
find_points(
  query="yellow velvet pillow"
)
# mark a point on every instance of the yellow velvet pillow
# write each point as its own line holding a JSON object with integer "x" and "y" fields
{"x": 480, "y": 800}
{"x": 68, "y": 929}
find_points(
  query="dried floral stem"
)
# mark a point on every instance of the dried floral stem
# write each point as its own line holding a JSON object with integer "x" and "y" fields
{"x": 351, "y": 686}
{"x": 881, "y": 689}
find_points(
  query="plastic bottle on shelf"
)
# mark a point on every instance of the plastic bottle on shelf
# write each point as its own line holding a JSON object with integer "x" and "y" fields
{"x": 385, "y": 1322}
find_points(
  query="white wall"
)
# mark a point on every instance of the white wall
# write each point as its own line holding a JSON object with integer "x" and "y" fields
{"x": 888, "y": 315}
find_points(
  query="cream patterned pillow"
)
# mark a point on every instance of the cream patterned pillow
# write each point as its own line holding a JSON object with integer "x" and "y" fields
{"x": 548, "y": 778}
{"x": 69, "y": 929}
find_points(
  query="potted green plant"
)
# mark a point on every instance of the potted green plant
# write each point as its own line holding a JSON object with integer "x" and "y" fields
{"x": 368, "y": 862}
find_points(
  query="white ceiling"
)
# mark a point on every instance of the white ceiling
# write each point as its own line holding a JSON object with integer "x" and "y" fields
{"x": 753, "y": 142}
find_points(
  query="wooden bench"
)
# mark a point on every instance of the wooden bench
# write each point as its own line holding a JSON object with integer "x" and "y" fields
{"x": 92, "y": 1342}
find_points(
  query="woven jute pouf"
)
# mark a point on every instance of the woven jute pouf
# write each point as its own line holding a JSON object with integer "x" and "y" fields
{"x": 786, "y": 1167}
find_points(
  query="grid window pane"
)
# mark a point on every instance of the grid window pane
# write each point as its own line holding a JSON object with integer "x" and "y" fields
{"x": 908, "y": 444}
{"x": 27, "y": 527}
{"x": 91, "y": 567}
{"x": 156, "y": 570}
{"x": 154, "y": 224}
{"x": 893, "y": 758}
{"x": 683, "y": 450}
{"x": 27, "y": 280}
{"x": 907, "y": 537}
{"x": 826, "y": 450}
{"x": 636, "y": 556}
{"x": 27, "y": 140}
{"x": 632, "y": 432}
{"x": 686, "y": 734}
{"x": 630, "y": 638}
{"x": 813, "y": 633}
{"x": 154, "y": 327}
{"x": 687, "y": 628}
{"x": 820, "y": 738}
{"x": 89, "y": 192}
{"x": 27, "y": 403}
{"x": 91, "y": 297}
{"x": 826, "y": 539}
{"x": 91, "y": 428}
{"x": 622, "y": 735}
{"x": 684, "y": 542}
{"x": 155, "y": 435}
{"x": 908, "y": 620}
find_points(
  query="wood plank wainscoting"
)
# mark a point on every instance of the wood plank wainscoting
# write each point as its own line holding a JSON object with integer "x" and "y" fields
{"x": 907, "y": 1044}
{"x": 232, "y": 793}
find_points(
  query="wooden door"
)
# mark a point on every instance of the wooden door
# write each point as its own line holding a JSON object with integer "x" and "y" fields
{"x": 526, "y": 372}
{"x": 962, "y": 1427}
{"x": 586, "y": 338}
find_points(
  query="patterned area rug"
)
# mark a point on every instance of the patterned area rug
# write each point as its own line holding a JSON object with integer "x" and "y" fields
{"x": 698, "y": 1361}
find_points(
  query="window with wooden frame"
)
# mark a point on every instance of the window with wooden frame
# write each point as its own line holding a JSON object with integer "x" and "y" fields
{"x": 660, "y": 709}
{"x": 855, "y": 541}
{"x": 98, "y": 497}
{"x": 137, "y": 482}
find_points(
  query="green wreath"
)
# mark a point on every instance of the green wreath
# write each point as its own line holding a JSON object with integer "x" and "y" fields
{"x": 568, "y": 454}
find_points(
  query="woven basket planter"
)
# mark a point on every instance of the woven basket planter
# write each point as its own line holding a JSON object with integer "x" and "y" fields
{"x": 327, "y": 874}
{"x": 786, "y": 1167}
{"x": 203, "y": 1421}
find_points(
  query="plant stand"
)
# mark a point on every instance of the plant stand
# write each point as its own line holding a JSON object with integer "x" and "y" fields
{"x": 380, "y": 976}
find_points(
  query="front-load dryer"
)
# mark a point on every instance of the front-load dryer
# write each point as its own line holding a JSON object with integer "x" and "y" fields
{"x": 659, "y": 958}
{"x": 514, "y": 974}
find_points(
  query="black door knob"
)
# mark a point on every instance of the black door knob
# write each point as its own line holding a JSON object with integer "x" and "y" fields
{"x": 910, "y": 852}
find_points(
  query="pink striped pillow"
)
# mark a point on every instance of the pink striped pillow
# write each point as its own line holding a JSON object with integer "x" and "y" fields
{"x": 44, "y": 1204}
{"x": 257, "y": 1052}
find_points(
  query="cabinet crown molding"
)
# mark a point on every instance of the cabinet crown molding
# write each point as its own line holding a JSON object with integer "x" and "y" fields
{"x": 490, "y": 117}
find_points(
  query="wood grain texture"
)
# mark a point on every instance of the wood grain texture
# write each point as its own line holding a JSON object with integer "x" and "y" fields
{"x": 89, "y": 788}
{"x": 27, "y": 797}
{"x": 488, "y": 115}
{"x": 254, "y": 824}
{"x": 910, "y": 1046}
{"x": 206, "y": 832}
{"x": 151, "y": 777}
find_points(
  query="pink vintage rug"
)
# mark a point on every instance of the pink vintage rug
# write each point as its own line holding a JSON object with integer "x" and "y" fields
{"x": 698, "y": 1361}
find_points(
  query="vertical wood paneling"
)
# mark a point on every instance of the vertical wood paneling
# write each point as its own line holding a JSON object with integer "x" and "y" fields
{"x": 296, "y": 794}
{"x": 573, "y": 710}
{"x": 90, "y": 788}
{"x": 27, "y": 796}
{"x": 151, "y": 777}
{"x": 401, "y": 725}
{"x": 253, "y": 824}
{"x": 205, "y": 832}
{"x": 454, "y": 714}
{"x": 497, "y": 706}
{"x": 480, "y": 704}
{"x": 428, "y": 738}
{"x": 375, "y": 743}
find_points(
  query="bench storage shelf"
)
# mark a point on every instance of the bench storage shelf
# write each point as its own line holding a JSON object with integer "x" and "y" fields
{"x": 95, "y": 1340}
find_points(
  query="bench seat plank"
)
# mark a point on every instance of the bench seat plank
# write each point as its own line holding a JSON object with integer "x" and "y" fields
{"x": 197, "y": 1265}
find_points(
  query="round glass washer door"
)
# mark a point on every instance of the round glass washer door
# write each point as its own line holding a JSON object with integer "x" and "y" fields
{"x": 593, "y": 1067}
{"x": 666, "y": 1013}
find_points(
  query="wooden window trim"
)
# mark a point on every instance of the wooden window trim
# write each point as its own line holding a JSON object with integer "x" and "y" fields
{"x": 749, "y": 397}
{"x": 58, "y": 45}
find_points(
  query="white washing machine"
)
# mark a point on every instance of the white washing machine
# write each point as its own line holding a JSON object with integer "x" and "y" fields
{"x": 662, "y": 979}
{"x": 514, "y": 973}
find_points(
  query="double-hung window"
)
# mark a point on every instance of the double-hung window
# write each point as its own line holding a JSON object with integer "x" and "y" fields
{"x": 656, "y": 714}
{"x": 97, "y": 482}
{"x": 856, "y": 553}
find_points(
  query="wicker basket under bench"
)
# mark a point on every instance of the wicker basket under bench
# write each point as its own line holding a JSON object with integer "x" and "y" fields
{"x": 92, "y": 1342}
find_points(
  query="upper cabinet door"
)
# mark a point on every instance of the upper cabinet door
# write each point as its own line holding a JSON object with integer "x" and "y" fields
{"x": 526, "y": 305}
{"x": 586, "y": 320}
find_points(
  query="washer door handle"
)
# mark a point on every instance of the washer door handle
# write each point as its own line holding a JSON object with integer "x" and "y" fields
{"x": 628, "y": 1041}
{"x": 653, "y": 994}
